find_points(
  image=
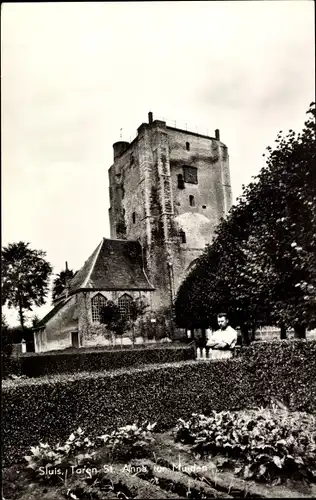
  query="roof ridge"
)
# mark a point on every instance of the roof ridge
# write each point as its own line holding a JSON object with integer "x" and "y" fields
{"x": 84, "y": 284}
{"x": 52, "y": 313}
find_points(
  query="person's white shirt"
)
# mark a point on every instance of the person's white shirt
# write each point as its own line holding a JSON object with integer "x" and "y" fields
{"x": 226, "y": 338}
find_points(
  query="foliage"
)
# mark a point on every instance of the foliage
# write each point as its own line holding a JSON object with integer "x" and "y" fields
{"x": 77, "y": 450}
{"x": 130, "y": 441}
{"x": 272, "y": 443}
{"x": 15, "y": 334}
{"x": 24, "y": 278}
{"x": 156, "y": 392}
{"x": 261, "y": 267}
{"x": 111, "y": 317}
{"x": 6, "y": 348}
{"x": 10, "y": 367}
{"x": 116, "y": 321}
{"x": 48, "y": 464}
{"x": 157, "y": 325}
{"x": 60, "y": 282}
{"x": 37, "y": 365}
{"x": 5, "y": 340}
{"x": 35, "y": 321}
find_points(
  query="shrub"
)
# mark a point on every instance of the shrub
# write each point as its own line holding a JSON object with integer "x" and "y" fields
{"x": 10, "y": 366}
{"x": 130, "y": 441}
{"x": 272, "y": 443}
{"x": 37, "y": 365}
{"x": 156, "y": 393}
{"x": 76, "y": 451}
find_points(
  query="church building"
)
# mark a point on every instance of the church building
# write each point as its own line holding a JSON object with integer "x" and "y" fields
{"x": 168, "y": 189}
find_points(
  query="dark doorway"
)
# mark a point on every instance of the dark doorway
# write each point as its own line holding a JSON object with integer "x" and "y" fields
{"x": 75, "y": 340}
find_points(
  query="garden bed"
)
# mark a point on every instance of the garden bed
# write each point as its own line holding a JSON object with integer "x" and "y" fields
{"x": 157, "y": 392}
{"x": 136, "y": 462}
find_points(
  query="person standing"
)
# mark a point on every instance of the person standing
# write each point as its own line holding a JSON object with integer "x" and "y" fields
{"x": 223, "y": 341}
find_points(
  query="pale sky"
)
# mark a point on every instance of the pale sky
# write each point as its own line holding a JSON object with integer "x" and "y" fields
{"x": 74, "y": 74}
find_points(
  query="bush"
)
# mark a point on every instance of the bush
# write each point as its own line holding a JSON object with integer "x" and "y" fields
{"x": 37, "y": 365}
{"x": 273, "y": 444}
{"x": 10, "y": 367}
{"x": 50, "y": 408}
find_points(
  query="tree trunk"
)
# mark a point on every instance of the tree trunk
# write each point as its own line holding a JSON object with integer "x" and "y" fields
{"x": 21, "y": 314}
{"x": 283, "y": 335}
{"x": 299, "y": 332}
{"x": 133, "y": 334}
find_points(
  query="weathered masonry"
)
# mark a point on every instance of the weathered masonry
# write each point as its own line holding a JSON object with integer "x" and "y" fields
{"x": 169, "y": 189}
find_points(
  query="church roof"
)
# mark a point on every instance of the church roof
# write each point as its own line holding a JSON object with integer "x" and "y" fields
{"x": 114, "y": 265}
{"x": 51, "y": 313}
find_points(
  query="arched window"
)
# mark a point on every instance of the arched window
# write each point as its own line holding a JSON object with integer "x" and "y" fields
{"x": 124, "y": 304}
{"x": 97, "y": 302}
{"x": 134, "y": 217}
{"x": 180, "y": 181}
{"x": 192, "y": 201}
{"x": 187, "y": 145}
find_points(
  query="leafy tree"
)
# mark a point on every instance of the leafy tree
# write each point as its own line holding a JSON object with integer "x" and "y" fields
{"x": 138, "y": 309}
{"x": 60, "y": 282}
{"x": 112, "y": 318}
{"x": 261, "y": 267}
{"x": 6, "y": 344}
{"x": 119, "y": 323}
{"x": 35, "y": 320}
{"x": 25, "y": 278}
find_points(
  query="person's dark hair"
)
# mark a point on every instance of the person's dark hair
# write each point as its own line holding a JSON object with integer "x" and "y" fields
{"x": 222, "y": 315}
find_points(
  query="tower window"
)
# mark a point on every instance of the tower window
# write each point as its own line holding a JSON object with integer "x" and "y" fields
{"x": 132, "y": 158}
{"x": 180, "y": 181}
{"x": 192, "y": 201}
{"x": 134, "y": 217}
{"x": 187, "y": 146}
{"x": 190, "y": 175}
{"x": 124, "y": 304}
{"x": 183, "y": 237}
{"x": 97, "y": 302}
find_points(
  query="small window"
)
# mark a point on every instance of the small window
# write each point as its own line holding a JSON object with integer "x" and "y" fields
{"x": 134, "y": 217}
{"x": 124, "y": 304}
{"x": 132, "y": 158}
{"x": 180, "y": 181}
{"x": 97, "y": 302}
{"x": 192, "y": 201}
{"x": 187, "y": 146}
{"x": 203, "y": 206}
{"x": 183, "y": 237}
{"x": 190, "y": 175}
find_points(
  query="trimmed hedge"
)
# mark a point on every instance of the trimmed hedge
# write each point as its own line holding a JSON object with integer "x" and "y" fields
{"x": 49, "y": 409}
{"x": 36, "y": 365}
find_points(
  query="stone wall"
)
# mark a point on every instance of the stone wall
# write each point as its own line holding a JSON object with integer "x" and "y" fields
{"x": 198, "y": 217}
{"x": 151, "y": 208}
{"x": 57, "y": 333}
{"x": 95, "y": 334}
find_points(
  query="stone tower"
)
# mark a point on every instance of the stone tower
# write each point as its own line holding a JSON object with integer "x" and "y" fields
{"x": 168, "y": 189}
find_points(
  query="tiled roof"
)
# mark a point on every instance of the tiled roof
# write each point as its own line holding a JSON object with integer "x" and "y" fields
{"x": 51, "y": 313}
{"x": 114, "y": 265}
